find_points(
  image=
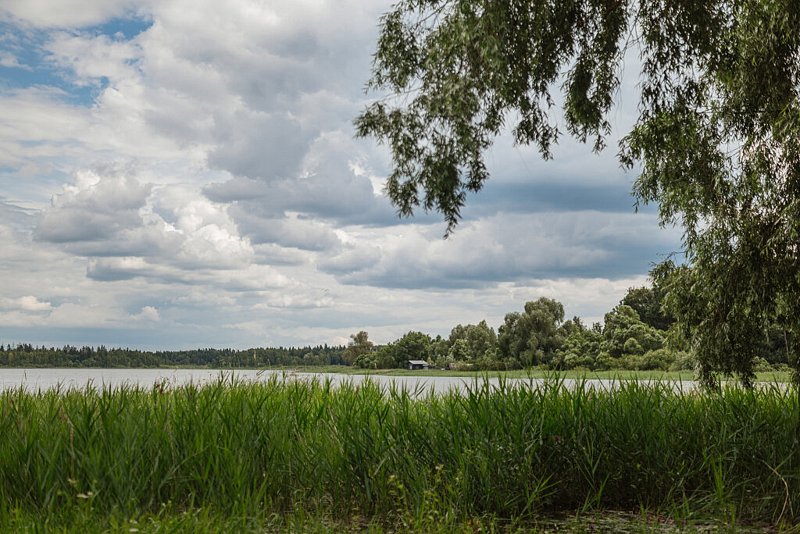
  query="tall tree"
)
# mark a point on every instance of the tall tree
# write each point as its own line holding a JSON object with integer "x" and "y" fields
{"x": 359, "y": 346}
{"x": 625, "y": 333}
{"x": 412, "y": 346}
{"x": 647, "y": 301}
{"x": 472, "y": 342}
{"x": 533, "y": 336}
{"x": 717, "y": 140}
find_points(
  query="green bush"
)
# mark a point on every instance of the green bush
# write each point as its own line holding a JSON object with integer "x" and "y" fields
{"x": 659, "y": 359}
{"x": 684, "y": 361}
{"x": 760, "y": 365}
{"x": 575, "y": 361}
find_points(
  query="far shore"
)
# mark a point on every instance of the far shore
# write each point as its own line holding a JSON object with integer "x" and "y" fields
{"x": 574, "y": 374}
{"x": 620, "y": 374}
{"x": 614, "y": 374}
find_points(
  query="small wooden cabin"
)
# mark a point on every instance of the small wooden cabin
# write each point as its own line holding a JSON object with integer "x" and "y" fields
{"x": 414, "y": 365}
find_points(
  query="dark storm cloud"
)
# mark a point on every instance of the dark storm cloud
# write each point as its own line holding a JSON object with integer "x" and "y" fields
{"x": 510, "y": 247}
{"x": 546, "y": 196}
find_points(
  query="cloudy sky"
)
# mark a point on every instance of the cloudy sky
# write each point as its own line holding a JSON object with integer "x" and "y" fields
{"x": 183, "y": 173}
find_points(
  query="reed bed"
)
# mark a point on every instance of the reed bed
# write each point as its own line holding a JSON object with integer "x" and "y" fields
{"x": 507, "y": 452}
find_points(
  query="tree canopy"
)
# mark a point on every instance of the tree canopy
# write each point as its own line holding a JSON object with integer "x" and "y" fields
{"x": 533, "y": 336}
{"x": 648, "y": 303}
{"x": 716, "y": 143}
{"x": 359, "y": 346}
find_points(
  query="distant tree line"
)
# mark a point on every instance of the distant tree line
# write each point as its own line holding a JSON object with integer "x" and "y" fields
{"x": 639, "y": 333}
{"x": 27, "y": 355}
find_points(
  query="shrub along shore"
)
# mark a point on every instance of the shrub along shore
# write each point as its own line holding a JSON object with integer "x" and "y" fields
{"x": 398, "y": 458}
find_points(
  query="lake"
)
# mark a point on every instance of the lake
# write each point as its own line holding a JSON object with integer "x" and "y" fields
{"x": 43, "y": 379}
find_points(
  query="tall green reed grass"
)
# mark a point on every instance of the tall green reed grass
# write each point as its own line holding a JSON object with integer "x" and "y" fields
{"x": 509, "y": 452}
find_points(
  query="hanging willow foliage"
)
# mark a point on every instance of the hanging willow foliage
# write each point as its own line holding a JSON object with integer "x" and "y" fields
{"x": 717, "y": 140}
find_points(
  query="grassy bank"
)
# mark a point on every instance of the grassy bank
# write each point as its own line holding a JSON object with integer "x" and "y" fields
{"x": 575, "y": 374}
{"x": 367, "y": 456}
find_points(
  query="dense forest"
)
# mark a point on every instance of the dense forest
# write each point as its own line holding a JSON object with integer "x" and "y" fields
{"x": 26, "y": 355}
{"x": 636, "y": 334}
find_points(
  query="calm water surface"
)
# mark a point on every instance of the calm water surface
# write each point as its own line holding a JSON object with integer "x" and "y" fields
{"x": 43, "y": 379}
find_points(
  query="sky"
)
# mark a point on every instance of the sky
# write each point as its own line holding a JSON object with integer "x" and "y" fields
{"x": 184, "y": 173}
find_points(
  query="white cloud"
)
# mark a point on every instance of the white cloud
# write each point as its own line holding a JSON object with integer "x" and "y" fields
{"x": 92, "y": 58}
{"x": 289, "y": 231}
{"x": 211, "y": 191}
{"x": 66, "y": 13}
{"x": 116, "y": 215}
{"x": 27, "y": 303}
{"x": 10, "y": 61}
{"x": 93, "y": 207}
{"x": 149, "y": 313}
